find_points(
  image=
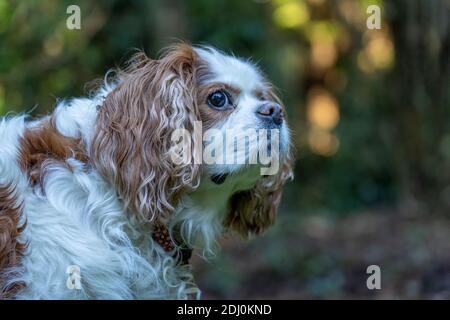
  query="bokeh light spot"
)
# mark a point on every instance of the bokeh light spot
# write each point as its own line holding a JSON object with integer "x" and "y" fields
{"x": 291, "y": 14}
{"x": 322, "y": 142}
{"x": 323, "y": 54}
{"x": 380, "y": 52}
{"x": 53, "y": 46}
{"x": 322, "y": 109}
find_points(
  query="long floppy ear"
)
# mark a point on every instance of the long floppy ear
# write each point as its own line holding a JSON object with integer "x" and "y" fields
{"x": 252, "y": 211}
{"x": 131, "y": 147}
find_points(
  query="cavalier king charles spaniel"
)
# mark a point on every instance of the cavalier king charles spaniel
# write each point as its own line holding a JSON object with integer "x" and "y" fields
{"x": 94, "y": 205}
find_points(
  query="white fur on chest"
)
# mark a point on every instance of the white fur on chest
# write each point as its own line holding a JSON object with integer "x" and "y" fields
{"x": 200, "y": 215}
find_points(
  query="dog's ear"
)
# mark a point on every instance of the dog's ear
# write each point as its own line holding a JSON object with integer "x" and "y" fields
{"x": 252, "y": 211}
{"x": 132, "y": 143}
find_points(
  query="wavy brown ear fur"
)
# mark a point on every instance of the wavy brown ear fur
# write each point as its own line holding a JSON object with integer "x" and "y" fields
{"x": 132, "y": 140}
{"x": 252, "y": 211}
{"x": 11, "y": 249}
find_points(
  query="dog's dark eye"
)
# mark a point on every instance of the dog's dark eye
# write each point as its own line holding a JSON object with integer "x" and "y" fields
{"x": 218, "y": 99}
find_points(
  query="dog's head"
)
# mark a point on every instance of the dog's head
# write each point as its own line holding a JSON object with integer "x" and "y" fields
{"x": 136, "y": 135}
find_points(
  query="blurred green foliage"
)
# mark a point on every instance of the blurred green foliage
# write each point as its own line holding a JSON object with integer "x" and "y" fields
{"x": 338, "y": 79}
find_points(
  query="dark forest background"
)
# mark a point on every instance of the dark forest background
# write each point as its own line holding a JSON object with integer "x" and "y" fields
{"x": 369, "y": 109}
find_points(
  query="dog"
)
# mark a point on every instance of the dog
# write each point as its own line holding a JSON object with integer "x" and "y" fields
{"x": 95, "y": 204}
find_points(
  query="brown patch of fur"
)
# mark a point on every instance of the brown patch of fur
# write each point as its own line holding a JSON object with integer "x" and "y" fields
{"x": 252, "y": 211}
{"x": 261, "y": 94}
{"x": 39, "y": 146}
{"x": 11, "y": 250}
{"x": 43, "y": 143}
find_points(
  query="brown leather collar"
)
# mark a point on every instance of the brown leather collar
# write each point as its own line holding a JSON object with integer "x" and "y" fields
{"x": 161, "y": 235}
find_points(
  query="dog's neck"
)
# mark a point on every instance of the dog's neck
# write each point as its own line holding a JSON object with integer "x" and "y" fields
{"x": 212, "y": 200}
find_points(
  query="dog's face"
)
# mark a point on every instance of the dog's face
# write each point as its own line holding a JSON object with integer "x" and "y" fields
{"x": 241, "y": 114}
{"x": 133, "y": 146}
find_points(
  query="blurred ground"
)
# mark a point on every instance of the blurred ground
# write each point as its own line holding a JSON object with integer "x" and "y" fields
{"x": 324, "y": 257}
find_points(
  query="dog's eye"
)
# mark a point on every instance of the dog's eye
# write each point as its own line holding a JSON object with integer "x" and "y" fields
{"x": 218, "y": 99}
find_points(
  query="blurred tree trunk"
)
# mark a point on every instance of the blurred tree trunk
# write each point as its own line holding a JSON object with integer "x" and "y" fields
{"x": 419, "y": 95}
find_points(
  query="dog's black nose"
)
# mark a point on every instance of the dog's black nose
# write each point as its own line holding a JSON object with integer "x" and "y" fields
{"x": 271, "y": 112}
